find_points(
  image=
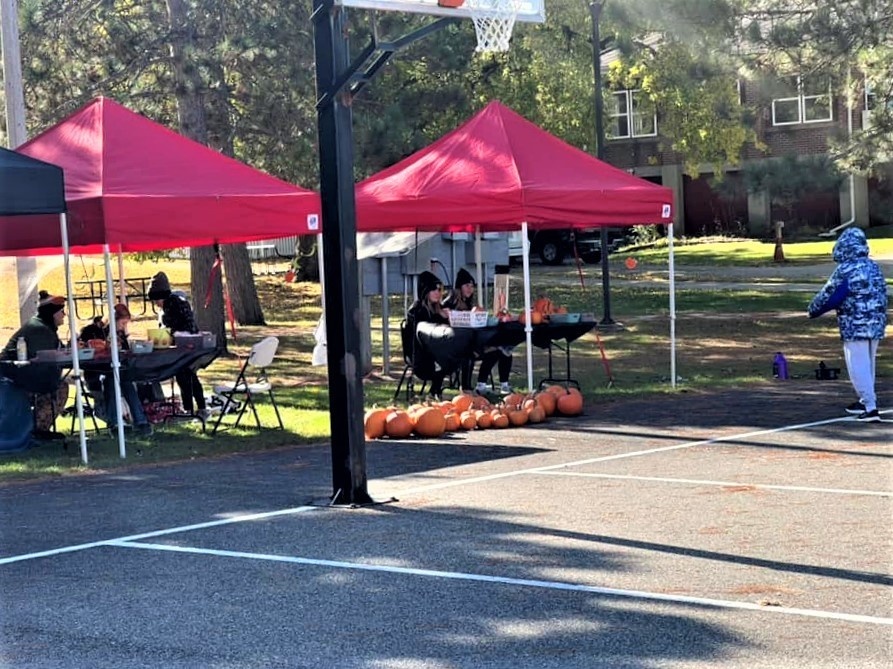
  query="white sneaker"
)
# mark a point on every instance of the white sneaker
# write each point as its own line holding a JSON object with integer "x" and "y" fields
{"x": 505, "y": 388}
{"x": 481, "y": 388}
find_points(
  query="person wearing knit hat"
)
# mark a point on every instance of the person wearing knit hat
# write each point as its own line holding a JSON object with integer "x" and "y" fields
{"x": 428, "y": 309}
{"x": 160, "y": 288}
{"x": 462, "y": 297}
{"x": 45, "y": 381}
{"x": 177, "y": 316}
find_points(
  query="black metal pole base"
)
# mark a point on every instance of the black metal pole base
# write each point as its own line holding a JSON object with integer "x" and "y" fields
{"x": 332, "y": 502}
{"x": 610, "y": 326}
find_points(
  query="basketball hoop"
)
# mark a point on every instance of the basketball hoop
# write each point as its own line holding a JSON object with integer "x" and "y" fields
{"x": 493, "y": 23}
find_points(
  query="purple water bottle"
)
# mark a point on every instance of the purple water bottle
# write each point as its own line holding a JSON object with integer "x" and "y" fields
{"x": 780, "y": 366}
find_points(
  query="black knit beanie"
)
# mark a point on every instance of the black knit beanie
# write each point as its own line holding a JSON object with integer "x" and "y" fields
{"x": 160, "y": 288}
{"x": 463, "y": 276}
{"x": 428, "y": 281}
{"x": 49, "y": 305}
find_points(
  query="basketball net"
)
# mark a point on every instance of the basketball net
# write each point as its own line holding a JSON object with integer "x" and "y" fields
{"x": 493, "y": 23}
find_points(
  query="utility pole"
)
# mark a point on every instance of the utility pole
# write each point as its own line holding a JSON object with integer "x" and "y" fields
{"x": 26, "y": 268}
{"x": 595, "y": 11}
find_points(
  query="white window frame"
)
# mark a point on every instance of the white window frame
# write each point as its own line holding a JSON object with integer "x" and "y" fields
{"x": 633, "y": 119}
{"x": 802, "y": 101}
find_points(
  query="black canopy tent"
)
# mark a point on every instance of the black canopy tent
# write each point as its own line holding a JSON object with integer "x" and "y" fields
{"x": 29, "y": 186}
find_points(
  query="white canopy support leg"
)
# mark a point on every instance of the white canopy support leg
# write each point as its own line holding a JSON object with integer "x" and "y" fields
{"x": 116, "y": 360}
{"x": 528, "y": 327}
{"x": 479, "y": 264}
{"x": 322, "y": 275}
{"x": 385, "y": 319}
{"x": 672, "y": 271}
{"x": 73, "y": 338}
{"x": 122, "y": 286}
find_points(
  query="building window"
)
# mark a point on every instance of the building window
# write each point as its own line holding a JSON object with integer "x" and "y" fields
{"x": 630, "y": 114}
{"x": 811, "y": 104}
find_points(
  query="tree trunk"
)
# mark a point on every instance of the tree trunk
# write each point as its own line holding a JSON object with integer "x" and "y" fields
{"x": 308, "y": 261}
{"x": 191, "y": 117}
{"x": 241, "y": 287}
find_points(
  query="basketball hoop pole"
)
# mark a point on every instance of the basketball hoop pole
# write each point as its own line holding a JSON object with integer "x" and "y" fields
{"x": 337, "y": 81}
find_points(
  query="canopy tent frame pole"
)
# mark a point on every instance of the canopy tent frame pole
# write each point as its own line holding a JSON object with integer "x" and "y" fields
{"x": 672, "y": 271}
{"x": 122, "y": 286}
{"x": 73, "y": 338}
{"x": 385, "y": 319}
{"x": 528, "y": 327}
{"x": 478, "y": 256}
{"x": 116, "y": 361}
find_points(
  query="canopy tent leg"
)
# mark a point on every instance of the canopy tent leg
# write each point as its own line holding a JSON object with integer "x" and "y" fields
{"x": 528, "y": 328}
{"x": 672, "y": 272}
{"x": 113, "y": 336}
{"x": 122, "y": 289}
{"x": 73, "y": 338}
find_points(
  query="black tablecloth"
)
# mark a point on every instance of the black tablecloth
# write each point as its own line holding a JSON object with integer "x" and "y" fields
{"x": 159, "y": 365}
{"x": 452, "y": 346}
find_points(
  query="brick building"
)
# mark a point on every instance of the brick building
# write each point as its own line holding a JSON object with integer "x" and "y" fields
{"x": 794, "y": 119}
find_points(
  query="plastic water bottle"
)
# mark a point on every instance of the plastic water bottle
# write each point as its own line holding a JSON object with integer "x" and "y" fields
{"x": 21, "y": 349}
{"x": 780, "y": 366}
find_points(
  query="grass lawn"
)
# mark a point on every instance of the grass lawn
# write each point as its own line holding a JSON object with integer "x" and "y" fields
{"x": 724, "y": 337}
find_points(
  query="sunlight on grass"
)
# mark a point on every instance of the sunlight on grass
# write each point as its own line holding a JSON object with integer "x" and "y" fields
{"x": 725, "y": 338}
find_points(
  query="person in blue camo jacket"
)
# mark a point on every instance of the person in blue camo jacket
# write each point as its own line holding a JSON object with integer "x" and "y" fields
{"x": 857, "y": 290}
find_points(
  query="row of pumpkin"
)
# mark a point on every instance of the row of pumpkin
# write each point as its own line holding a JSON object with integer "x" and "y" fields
{"x": 470, "y": 412}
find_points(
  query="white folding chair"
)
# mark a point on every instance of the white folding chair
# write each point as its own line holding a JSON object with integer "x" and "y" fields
{"x": 260, "y": 357}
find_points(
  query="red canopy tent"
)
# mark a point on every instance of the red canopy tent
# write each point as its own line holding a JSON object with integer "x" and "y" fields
{"x": 136, "y": 185}
{"x": 498, "y": 170}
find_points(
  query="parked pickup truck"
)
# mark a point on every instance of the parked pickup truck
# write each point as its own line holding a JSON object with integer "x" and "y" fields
{"x": 553, "y": 246}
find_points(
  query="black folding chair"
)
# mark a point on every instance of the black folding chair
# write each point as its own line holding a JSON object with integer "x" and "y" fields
{"x": 407, "y": 339}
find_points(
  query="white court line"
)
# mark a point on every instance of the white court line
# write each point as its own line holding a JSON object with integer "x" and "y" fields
{"x": 504, "y": 580}
{"x": 420, "y": 489}
{"x": 157, "y": 533}
{"x": 618, "y": 456}
{"x": 762, "y": 486}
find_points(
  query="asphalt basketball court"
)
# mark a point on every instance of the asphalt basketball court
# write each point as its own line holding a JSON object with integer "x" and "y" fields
{"x": 737, "y": 529}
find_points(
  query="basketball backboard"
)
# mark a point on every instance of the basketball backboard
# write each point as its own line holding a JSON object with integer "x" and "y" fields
{"x": 530, "y": 11}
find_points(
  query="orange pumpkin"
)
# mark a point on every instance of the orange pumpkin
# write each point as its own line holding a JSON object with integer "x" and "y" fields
{"x": 571, "y": 404}
{"x": 484, "y": 419}
{"x": 453, "y": 422}
{"x": 547, "y": 401}
{"x": 430, "y": 422}
{"x": 513, "y": 400}
{"x": 374, "y": 423}
{"x": 468, "y": 420}
{"x": 556, "y": 390}
{"x": 518, "y": 417}
{"x": 480, "y": 403}
{"x": 529, "y": 403}
{"x": 462, "y": 402}
{"x": 536, "y": 415}
{"x": 398, "y": 424}
{"x": 500, "y": 420}
{"x": 543, "y": 305}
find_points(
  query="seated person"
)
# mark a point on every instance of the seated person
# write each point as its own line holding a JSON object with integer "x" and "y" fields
{"x": 128, "y": 389}
{"x": 428, "y": 309}
{"x": 96, "y": 330}
{"x": 43, "y": 381}
{"x": 463, "y": 299}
